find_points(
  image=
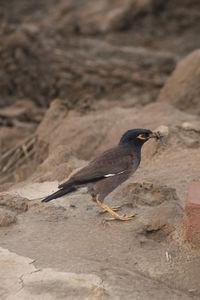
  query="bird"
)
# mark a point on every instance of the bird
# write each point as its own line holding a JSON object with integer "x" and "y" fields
{"x": 108, "y": 170}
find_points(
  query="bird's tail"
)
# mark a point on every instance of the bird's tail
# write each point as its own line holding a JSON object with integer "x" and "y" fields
{"x": 59, "y": 193}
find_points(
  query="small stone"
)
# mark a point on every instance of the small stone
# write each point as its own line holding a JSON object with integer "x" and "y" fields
{"x": 163, "y": 129}
{"x": 7, "y": 217}
{"x": 15, "y": 203}
{"x": 195, "y": 126}
{"x": 162, "y": 217}
{"x": 186, "y": 125}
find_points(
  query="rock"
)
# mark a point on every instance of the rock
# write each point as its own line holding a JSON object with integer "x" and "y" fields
{"x": 188, "y": 134}
{"x": 146, "y": 193}
{"x": 182, "y": 88}
{"x": 164, "y": 130}
{"x": 15, "y": 203}
{"x": 7, "y": 217}
{"x": 163, "y": 217}
{"x": 186, "y": 126}
{"x": 195, "y": 126}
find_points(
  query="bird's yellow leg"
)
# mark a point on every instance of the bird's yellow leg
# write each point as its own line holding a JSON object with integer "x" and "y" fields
{"x": 114, "y": 214}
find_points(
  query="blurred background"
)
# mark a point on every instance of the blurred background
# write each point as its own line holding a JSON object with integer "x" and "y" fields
{"x": 83, "y": 51}
{"x": 92, "y": 55}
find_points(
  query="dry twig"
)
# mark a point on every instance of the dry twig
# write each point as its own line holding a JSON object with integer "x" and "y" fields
{"x": 16, "y": 156}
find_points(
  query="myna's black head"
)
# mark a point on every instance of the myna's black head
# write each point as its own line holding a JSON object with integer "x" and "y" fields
{"x": 135, "y": 138}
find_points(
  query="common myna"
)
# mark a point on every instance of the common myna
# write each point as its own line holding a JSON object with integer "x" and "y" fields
{"x": 108, "y": 170}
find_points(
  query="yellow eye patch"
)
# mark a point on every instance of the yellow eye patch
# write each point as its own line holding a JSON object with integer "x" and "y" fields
{"x": 140, "y": 136}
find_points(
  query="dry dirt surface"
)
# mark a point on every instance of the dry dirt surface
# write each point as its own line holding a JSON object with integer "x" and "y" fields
{"x": 74, "y": 76}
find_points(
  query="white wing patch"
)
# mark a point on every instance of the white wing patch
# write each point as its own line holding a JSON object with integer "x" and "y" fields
{"x": 110, "y": 175}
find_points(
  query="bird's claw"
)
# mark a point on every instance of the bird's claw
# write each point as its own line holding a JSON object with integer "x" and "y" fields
{"x": 115, "y": 208}
{"x": 121, "y": 218}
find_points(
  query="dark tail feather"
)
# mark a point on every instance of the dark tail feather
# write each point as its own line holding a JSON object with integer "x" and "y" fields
{"x": 59, "y": 194}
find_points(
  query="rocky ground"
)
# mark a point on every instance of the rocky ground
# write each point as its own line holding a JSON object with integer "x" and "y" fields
{"x": 71, "y": 84}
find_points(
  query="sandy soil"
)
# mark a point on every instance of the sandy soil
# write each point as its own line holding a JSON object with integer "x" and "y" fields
{"x": 111, "y": 67}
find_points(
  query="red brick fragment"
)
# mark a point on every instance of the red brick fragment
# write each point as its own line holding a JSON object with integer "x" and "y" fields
{"x": 191, "y": 220}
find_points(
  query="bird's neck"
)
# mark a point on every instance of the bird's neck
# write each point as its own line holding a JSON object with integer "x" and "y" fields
{"x": 136, "y": 148}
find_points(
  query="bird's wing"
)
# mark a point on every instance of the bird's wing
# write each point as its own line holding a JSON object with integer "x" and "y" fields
{"x": 110, "y": 163}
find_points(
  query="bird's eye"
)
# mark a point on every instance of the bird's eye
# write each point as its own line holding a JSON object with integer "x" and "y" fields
{"x": 143, "y": 136}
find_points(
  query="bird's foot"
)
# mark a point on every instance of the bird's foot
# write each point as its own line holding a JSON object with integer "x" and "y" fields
{"x": 111, "y": 211}
{"x": 114, "y": 214}
{"x": 114, "y": 208}
{"x": 121, "y": 218}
